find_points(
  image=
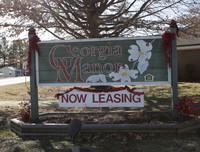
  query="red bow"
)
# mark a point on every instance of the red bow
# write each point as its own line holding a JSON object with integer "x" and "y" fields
{"x": 33, "y": 44}
{"x": 168, "y": 37}
{"x": 32, "y": 47}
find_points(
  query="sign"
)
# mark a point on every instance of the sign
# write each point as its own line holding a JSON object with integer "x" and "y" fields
{"x": 109, "y": 61}
{"x": 79, "y": 97}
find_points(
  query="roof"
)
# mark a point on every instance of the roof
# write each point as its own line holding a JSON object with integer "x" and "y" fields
{"x": 12, "y": 68}
{"x": 188, "y": 43}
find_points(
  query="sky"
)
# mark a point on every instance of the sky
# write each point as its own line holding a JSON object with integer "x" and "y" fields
{"x": 47, "y": 36}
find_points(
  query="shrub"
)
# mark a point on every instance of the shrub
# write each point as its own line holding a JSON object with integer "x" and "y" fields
{"x": 187, "y": 107}
{"x": 24, "y": 113}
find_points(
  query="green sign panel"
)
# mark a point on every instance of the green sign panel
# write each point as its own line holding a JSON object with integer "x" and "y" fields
{"x": 110, "y": 61}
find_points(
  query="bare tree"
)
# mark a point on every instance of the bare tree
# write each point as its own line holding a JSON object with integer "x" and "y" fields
{"x": 18, "y": 53}
{"x": 96, "y": 18}
{"x": 4, "y": 51}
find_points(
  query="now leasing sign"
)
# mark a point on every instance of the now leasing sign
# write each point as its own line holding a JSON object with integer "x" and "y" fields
{"x": 119, "y": 98}
{"x": 110, "y": 61}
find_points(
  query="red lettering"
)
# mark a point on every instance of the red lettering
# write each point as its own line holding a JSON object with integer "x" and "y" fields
{"x": 93, "y": 49}
{"x": 93, "y": 99}
{"x": 60, "y": 65}
{"x": 101, "y": 98}
{"x": 51, "y": 54}
{"x": 102, "y": 51}
{"x": 81, "y": 98}
{"x": 117, "y": 98}
{"x": 63, "y": 97}
{"x": 86, "y": 68}
{"x": 72, "y": 98}
{"x": 109, "y": 98}
{"x": 122, "y": 98}
{"x": 117, "y": 65}
{"x": 109, "y": 51}
{"x": 118, "y": 51}
{"x": 58, "y": 76}
{"x": 74, "y": 51}
{"x": 136, "y": 98}
{"x": 105, "y": 68}
{"x": 94, "y": 67}
{"x": 76, "y": 65}
{"x": 128, "y": 97}
{"x": 87, "y": 51}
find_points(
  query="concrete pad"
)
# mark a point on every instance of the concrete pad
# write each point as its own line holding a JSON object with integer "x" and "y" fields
{"x": 14, "y": 80}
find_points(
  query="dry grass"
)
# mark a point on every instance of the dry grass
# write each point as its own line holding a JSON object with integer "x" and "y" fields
{"x": 112, "y": 142}
{"x": 13, "y": 92}
{"x": 20, "y": 92}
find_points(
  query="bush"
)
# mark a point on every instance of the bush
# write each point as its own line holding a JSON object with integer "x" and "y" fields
{"x": 187, "y": 107}
{"x": 24, "y": 113}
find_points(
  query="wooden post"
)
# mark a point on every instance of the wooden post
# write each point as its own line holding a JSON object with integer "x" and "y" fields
{"x": 175, "y": 100}
{"x": 33, "y": 86}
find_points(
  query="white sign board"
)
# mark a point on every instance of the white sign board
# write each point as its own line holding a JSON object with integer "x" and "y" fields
{"x": 119, "y": 98}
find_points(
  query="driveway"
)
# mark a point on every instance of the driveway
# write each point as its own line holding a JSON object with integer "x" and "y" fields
{"x": 14, "y": 80}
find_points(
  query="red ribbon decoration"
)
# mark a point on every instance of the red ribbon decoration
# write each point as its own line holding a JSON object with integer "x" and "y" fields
{"x": 112, "y": 89}
{"x": 33, "y": 44}
{"x": 168, "y": 37}
{"x": 32, "y": 47}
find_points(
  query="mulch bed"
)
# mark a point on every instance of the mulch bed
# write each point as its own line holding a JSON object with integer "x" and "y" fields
{"x": 113, "y": 118}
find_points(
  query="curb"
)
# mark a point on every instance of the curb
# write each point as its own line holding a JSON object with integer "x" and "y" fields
{"x": 51, "y": 129}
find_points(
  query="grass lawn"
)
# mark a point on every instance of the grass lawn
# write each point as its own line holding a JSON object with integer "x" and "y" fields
{"x": 20, "y": 92}
{"x": 156, "y": 97}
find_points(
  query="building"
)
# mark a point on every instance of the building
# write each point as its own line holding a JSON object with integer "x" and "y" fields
{"x": 189, "y": 59}
{"x": 11, "y": 72}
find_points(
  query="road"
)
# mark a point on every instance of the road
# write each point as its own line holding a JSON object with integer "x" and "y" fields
{"x": 14, "y": 80}
{"x": 41, "y": 103}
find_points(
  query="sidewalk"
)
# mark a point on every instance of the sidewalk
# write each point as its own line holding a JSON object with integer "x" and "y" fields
{"x": 16, "y": 103}
{"x": 14, "y": 80}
